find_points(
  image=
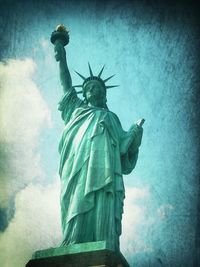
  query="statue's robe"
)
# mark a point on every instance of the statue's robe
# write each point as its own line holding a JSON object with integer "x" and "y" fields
{"x": 95, "y": 152}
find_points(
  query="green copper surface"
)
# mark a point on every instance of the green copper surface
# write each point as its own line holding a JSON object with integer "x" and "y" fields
{"x": 94, "y": 154}
{"x": 72, "y": 249}
{"x": 79, "y": 255}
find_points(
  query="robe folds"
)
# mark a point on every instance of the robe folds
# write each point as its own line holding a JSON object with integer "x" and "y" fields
{"x": 94, "y": 153}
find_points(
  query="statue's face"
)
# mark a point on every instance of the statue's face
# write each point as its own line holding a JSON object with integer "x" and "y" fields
{"x": 94, "y": 91}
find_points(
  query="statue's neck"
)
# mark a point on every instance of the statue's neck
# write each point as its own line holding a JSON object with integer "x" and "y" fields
{"x": 98, "y": 103}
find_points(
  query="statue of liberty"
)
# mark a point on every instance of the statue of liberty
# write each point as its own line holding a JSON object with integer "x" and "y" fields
{"x": 94, "y": 154}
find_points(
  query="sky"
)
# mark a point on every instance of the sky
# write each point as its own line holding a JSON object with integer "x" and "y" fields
{"x": 153, "y": 50}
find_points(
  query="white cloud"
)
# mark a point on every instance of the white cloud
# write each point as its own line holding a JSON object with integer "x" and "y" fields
{"x": 35, "y": 226}
{"x": 23, "y": 110}
{"x": 135, "y": 215}
{"x": 142, "y": 223}
{"x": 23, "y": 115}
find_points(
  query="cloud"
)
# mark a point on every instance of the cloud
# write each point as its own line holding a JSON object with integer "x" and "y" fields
{"x": 23, "y": 115}
{"x": 31, "y": 208}
{"x": 135, "y": 215}
{"x": 35, "y": 225}
{"x": 142, "y": 225}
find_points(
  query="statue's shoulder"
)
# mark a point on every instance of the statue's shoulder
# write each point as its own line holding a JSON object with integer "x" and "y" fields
{"x": 113, "y": 114}
{"x": 114, "y": 117}
{"x": 69, "y": 98}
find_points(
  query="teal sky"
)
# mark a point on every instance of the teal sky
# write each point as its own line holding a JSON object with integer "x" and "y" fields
{"x": 153, "y": 50}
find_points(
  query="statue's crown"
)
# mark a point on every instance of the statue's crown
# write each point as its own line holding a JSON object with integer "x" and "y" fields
{"x": 94, "y": 78}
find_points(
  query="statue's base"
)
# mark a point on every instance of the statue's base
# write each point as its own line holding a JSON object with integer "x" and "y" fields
{"x": 92, "y": 254}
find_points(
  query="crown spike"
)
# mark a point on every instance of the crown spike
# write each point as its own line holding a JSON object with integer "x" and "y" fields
{"x": 108, "y": 78}
{"x": 111, "y": 86}
{"x": 91, "y": 74}
{"x": 80, "y": 75}
{"x": 99, "y": 75}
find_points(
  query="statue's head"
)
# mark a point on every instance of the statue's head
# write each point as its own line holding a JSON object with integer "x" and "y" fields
{"x": 94, "y": 89}
{"x": 94, "y": 92}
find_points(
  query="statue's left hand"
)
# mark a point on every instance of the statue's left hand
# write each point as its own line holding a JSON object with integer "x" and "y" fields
{"x": 138, "y": 132}
{"x": 138, "y": 137}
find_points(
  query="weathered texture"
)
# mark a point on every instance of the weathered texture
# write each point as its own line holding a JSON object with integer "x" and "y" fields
{"x": 79, "y": 255}
{"x": 153, "y": 48}
{"x": 94, "y": 153}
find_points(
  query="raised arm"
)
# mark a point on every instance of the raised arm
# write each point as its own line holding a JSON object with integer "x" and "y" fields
{"x": 60, "y": 38}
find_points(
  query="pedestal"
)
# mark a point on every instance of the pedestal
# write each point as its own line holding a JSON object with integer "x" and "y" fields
{"x": 92, "y": 254}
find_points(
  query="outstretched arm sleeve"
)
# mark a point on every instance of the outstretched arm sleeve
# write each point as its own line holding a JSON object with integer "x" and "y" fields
{"x": 68, "y": 103}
